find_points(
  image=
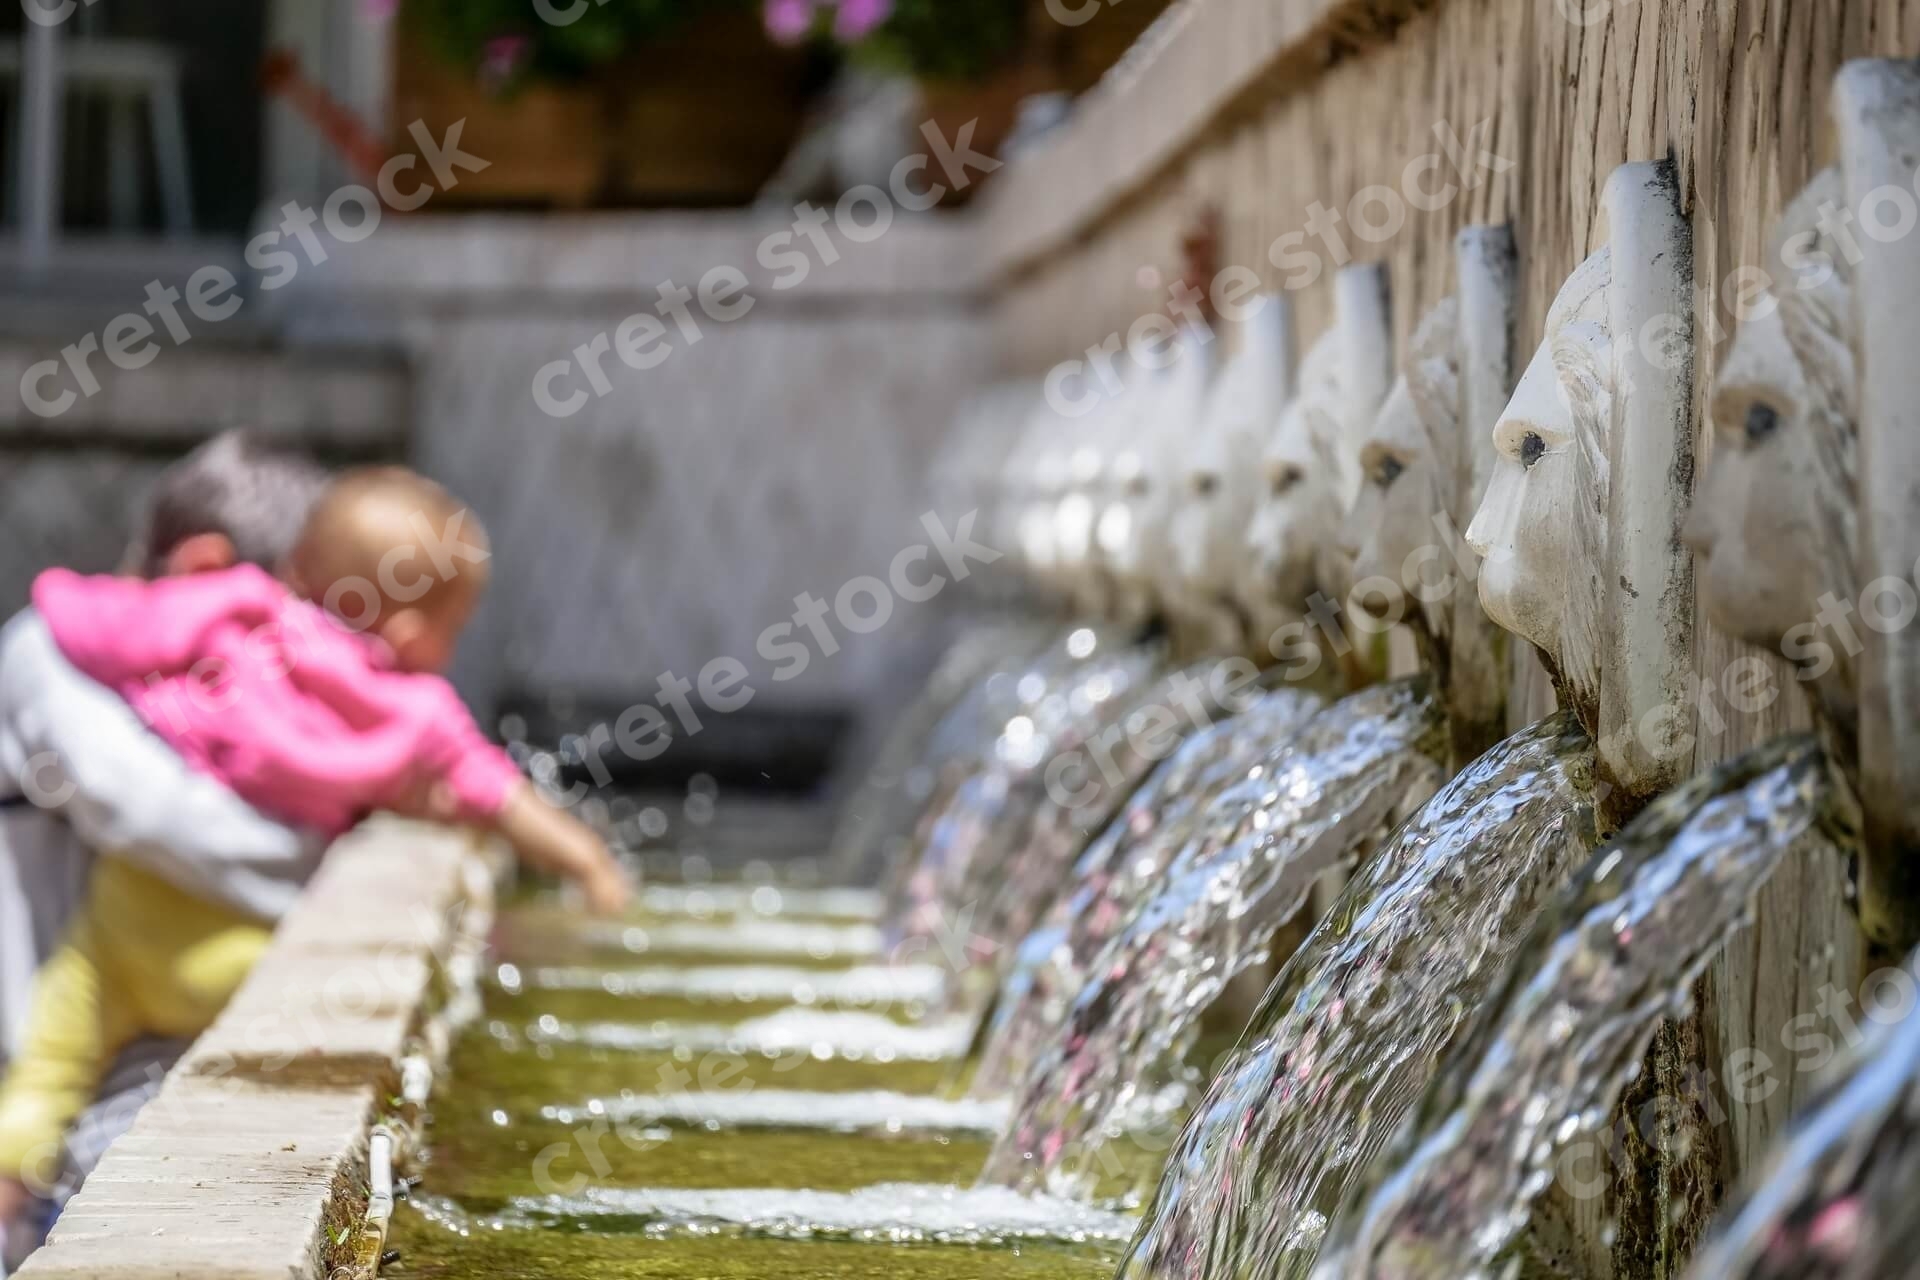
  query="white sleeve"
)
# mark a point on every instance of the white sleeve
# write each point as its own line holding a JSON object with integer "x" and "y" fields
{"x": 77, "y": 746}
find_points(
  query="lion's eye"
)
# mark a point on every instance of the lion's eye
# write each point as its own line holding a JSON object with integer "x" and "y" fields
{"x": 1205, "y": 483}
{"x": 1387, "y": 470}
{"x": 1284, "y": 476}
{"x": 1532, "y": 448}
{"x": 1762, "y": 421}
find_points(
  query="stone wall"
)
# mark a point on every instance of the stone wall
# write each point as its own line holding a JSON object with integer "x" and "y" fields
{"x": 71, "y": 487}
{"x": 1264, "y": 108}
{"x": 671, "y": 520}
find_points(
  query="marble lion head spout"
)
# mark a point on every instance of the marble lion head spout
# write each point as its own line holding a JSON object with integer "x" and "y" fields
{"x": 1218, "y": 486}
{"x": 1541, "y": 530}
{"x": 1773, "y": 522}
{"x": 1410, "y": 462}
{"x": 1579, "y": 531}
{"x": 1309, "y": 471}
{"x": 1133, "y": 531}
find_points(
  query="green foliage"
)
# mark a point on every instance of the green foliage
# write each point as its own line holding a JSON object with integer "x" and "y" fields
{"x": 475, "y": 33}
{"x": 947, "y": 39}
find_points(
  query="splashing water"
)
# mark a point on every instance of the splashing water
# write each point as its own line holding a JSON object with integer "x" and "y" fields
{"x": 988, "y": 821}
{"x": 888, "y": 1213}
{"x": 945, "y": 720}
{"x": 861, "y": 1111}
{"x": 1617, "y": 952}
{"x": 1110, "y": 881}
{"x": 966, "y": 742}
{"x": 766, "y": 939}
{"x": 814, "y": 1033}
{"x": 856, "y": 906}
{"x": 1086, "y": 788}
{"x": 862, "y": 985}
{"x": 1335, "y": 785}
{"x": 1356, "y": 1022}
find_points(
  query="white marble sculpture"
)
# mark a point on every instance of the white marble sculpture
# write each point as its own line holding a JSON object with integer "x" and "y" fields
{"x": 1040, "y": 482}
{"x": 1425, "y": 465}
{"x": 1170, "y": 400}
{"x": 1309, "y": 468}
{"x": 1579, "y": 528}
{"x": 1773, "y": 522}
{"x": 1123, "y": 425}
{"x": 1218, "y": 486}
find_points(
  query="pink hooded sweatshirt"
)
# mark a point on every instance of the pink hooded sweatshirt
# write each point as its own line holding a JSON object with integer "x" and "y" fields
{"x": 304, "y": 719}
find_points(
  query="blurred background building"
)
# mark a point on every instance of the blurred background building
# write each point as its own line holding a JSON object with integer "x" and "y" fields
{"x": 627, "y": 144}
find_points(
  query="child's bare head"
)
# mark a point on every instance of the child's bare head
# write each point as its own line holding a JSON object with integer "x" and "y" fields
{"x": 233, "y": 500}
{"x": 391, "y": 552}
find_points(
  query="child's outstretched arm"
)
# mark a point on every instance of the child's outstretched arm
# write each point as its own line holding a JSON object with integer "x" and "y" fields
{"x": 553, "y": 840}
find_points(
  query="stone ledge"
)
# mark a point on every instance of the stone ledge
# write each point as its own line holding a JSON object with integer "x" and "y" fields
{"x": 358, "y": 405}
{"x": 231, "y": 1172}
{"x": 1207, "y": 63}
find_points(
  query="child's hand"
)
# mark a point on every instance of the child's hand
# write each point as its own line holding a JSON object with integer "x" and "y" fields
{"x": 609, "y": 892}
{"x": 428, "y": 801}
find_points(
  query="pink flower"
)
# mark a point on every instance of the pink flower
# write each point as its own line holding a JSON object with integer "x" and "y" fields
{"x": 501, "y": 57}
{"x": 855, "y": 19}
{"x": 788, "y": 21}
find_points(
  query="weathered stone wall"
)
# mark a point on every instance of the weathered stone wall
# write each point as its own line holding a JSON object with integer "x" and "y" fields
{"x": 1264, "y": 108}
{"x": 671, "y": 520}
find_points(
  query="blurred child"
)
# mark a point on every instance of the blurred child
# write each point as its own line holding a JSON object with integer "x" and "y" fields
{"x": 79, "y": 772}
{"x": 317, "y": 700}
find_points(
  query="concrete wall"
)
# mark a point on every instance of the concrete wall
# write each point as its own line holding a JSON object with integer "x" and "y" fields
{"x": 1264, "y": 107}
{"x": 71, "y": 487}
{"x": 671, "y": 521}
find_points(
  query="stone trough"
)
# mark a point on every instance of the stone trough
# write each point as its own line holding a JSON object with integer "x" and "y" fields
{"x": 250, "y": 1164}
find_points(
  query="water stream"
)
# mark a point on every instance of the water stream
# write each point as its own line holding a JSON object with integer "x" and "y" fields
{"x": 1555, "y": 1048}
{"x": 1354, "y": 1026}
{"x": 1114, "y": 875}
{"x": 1334, "y": 786}
{"x": 947, "y": 719}
{"x": 792, "y": 1145}
{"x": 1000, "y": 811}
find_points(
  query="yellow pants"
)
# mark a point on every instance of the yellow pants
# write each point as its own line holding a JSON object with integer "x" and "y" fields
{"x": 140, "y": 958}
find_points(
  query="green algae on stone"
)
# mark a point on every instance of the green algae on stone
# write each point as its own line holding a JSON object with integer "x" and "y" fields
{"x": 484, "y": 1169}
{"x": 431, "y": 1252}
{"x": 495, "y": 1074}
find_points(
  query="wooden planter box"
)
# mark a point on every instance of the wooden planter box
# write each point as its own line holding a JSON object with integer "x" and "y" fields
{"x": 545, "y": 143}
{"x": 705, "y": 115}
{"x": 700, "y": 117}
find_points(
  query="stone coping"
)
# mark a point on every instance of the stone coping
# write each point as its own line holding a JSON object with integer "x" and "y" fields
{"x": 1205, "y": 65}
{"x": 231, "y": 1172}
{"x": 521, "y": 263}
{"x": 351, "y": 402}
